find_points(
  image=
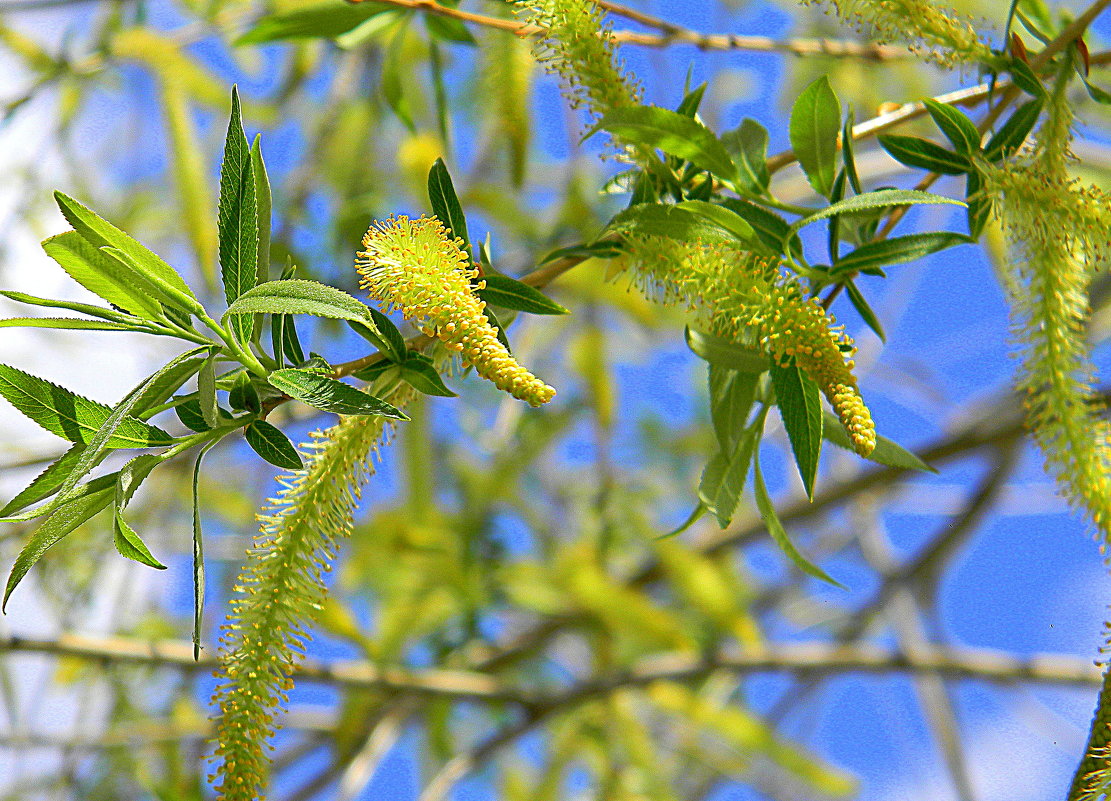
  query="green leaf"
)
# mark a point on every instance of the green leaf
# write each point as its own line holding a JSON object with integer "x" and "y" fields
{"x": 103, "y": 276}
{"x": 264, "y": 203}
{"x": 723, "y": 216}
{"x": 864, "y": 310}
{"x": 82, "y": 308}
{"x": 189, "y": 413}
{"x": 957, "y": 127}
{"x": 71, "y": 416}
{"x": 924, "y": 154}
{"x": 813, "y": 128}
{"x": 391, "y": 86}
{"x": 325, "y": 20}
{"x": 69, "y": 323}
{"x": 1012, "y": 134}
{"x": 129, "y": 544}
{"x": 897, "y": 250}
{"x": 585, "y": 250}
{"x": 445, "y": 203}
{"x": 166, "y": 385}
{"x": 724, "y": 477}
{"x": 881, "y": 198}
{"x": 101, "y": 234}
{"x": 46, "y": 483}
{"x": 61, "y": 522}
{"x": 494, "y": 321}
{"x": 206, "y": 392}
{"x": 748, "y": 145}
{"x": 688, "y": 107}
{"x": 449, "y": 29}
{"x": 800, "y": 405}
{"x": 509, "y": 293}
{"x": 243, "y": 394}
{"x": 979, "y": 206}
{"x": 298, "y": 296}
{"x": 198, "y": 556}
{"x": 674, "y": 222}
{"x": 732, "y": 394}
{"x": 272, "y": 445}
{"x": 330, "y": 395}
{"x": 886, "y": 451}
{"x": 674, "y": 134}
{"x": 238, "y": 218}
{"x": 1101, "y": 96}
{"x": 424, "y": 378}
{"x": 779, "y": 534}
{"x": 1026, "y": 79}
{"x": 847, "y": 155}
{"x": 722, "y": 352}
{"x": 769, "y": 227}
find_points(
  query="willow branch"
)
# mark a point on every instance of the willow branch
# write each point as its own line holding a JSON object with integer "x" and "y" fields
{"x": 673, "y": 34}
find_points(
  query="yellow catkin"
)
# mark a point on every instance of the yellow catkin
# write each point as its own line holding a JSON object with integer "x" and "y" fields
{"x": 746, "y": 299}
{"x": 929, "y": 30}
{"x": 414, "y": 266}
{"x": 279, "y": 592}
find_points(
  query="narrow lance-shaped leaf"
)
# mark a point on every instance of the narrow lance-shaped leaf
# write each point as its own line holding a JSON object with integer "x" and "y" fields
{"x": 958, "y": 128}
{"x": 724, "y": 353}
{"x": 778, "y": 533}
{"x": 198, "y": 556}
{"x": 103, "y": 276}
{"x": 82, "y": 308}
{"x": 898, "y": 250}
{"x": 127, "y": 542}
{"x": 330, "y": 395}
{"x": 860, "y": 303}
{"x": 881, "y": 198}
{"x": 238, "y": 218}
{"x": 924, "y": 154}
{"x": 445, "y": 203}
{"x": 509, "y": 293}
{"x": 272, "y": 445}
{"x": 71, "y": 416}
{"x": 46, "y": 483}
{"x": 887, "y": 452}
{"x": 264, "y": 202}
{"x": 800, "y": 405}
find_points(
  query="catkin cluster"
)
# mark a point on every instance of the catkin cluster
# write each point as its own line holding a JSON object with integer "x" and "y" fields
{"x": 746, "y": 299}
{"x": 414, "y": 266}
{"x": 930, "y": 31}
{"x": 279, "y": 591}
{"x": 577, "y": 44}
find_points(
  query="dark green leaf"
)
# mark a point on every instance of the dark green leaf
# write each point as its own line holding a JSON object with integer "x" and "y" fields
{"x": 770, "y": 228}
{"x": 748, "y": 145}
{"x": 509, "y": 293}
{"x": 385, "y": 337}
{"x": 198, "y": 556}
{"x": 325, "y": 20}
{"x": 1026, "y": 80}
{"x": 445, "y": 203}
{"x": 494, "y": 321}
{"x": 391, "y": 86}
{"x": 600, "y": 250}
{"x": 101, "y": 234}
{"x": 800, "y": 405}
{"x": 448, "y": 29}
{"x": 423, "y": 377}
{"x": 924, "y": 154}
{"x": 724, "y": 353}
{"x": 46, "y": 483}
{"x": 886, "y": 451}
{"x": 189, "y": 413}
{"x": 655, "y": 219}
{"x": 272, "y": 445}
{"x": 61, "y": 522}
{"x": 898, "y": 250}
{"x": 1012, "y": 134}
{"x": 979, "y": 206}
{"x": 813, "y": 128}
{"x": 847, "y": 154}
{"x": 71, "y": 416}
{"x": 243, "y": 394}
{"x": 779, "y": 534}
{"x": 330, "y": 395}
{"x": 238, "y": 218}
{"x": 1101, "y": 96}
{"x": 372, "y": 372}
{"x": 958, "y": 128}
{"x": 864, "y": 310}
{"x": 206, "y": 392}
{"x": 674, "y": 134}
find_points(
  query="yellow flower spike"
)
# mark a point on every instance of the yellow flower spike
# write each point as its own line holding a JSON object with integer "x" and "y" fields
{"x": 413, "y": 265}
{"x": 745, "y": 298}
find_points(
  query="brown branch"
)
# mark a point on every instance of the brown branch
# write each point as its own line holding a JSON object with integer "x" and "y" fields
{"x": 673, "y": 34}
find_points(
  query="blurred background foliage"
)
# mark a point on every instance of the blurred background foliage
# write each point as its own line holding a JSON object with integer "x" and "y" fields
{"x": 508, "y": 558}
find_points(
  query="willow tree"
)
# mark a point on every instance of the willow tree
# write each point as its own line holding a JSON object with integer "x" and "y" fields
{"x": 623, "y": 638}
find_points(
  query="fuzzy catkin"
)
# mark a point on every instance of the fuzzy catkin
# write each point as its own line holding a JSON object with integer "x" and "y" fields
{"x": 280, "y": 590}
{"x": 414, "y": 266}
{"x": 930, "y": 31}
{"x": 746, "y": 299}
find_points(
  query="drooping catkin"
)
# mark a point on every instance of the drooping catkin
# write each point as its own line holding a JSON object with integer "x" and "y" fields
{"x": 746, "y": 298}
{"x": 281, "y": 589}
{"x": 929, "y": 30}
{"x": 414, "y": 266}
{"x": 1059, "y": 233}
